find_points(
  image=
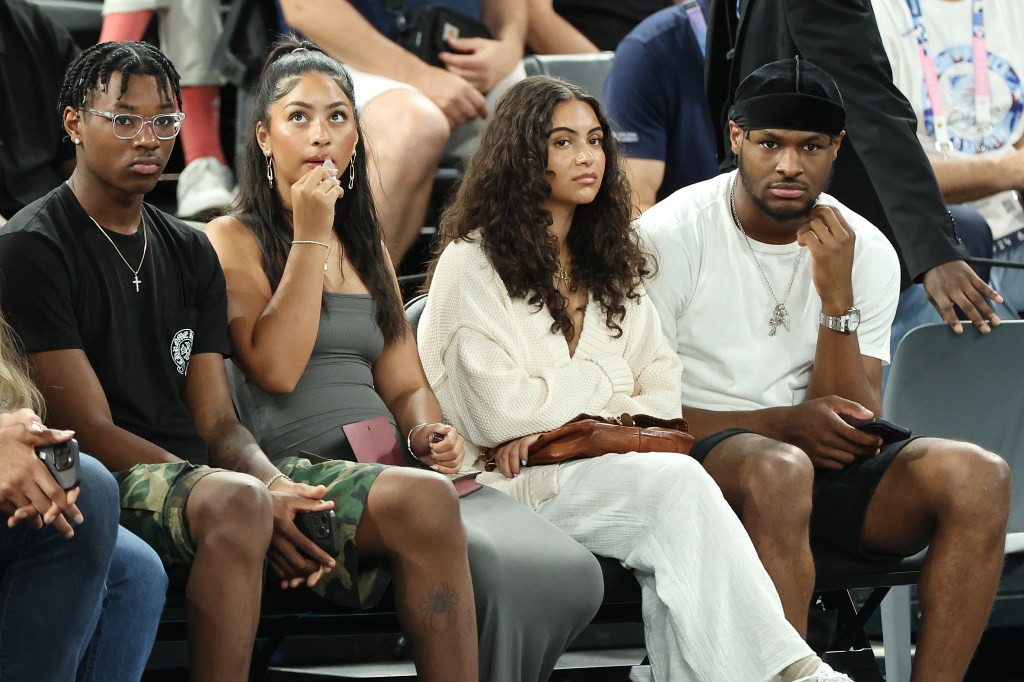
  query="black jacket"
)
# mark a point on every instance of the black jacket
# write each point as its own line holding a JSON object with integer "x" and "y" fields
{"x": 882, "y": 171}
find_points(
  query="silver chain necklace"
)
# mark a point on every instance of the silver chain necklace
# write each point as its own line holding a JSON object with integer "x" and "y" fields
{"x": 780, "y": 313}
{"x": 145, "y": 245}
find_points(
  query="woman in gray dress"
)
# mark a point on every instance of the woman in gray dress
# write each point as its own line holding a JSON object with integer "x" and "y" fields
{"x": 322, "y": 341}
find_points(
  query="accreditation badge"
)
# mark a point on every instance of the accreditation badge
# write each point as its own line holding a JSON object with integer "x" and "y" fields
{"x": 1004, "y": 214}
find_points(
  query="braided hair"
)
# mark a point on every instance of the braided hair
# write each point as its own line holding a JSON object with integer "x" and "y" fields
{"x": 93, "y": 67}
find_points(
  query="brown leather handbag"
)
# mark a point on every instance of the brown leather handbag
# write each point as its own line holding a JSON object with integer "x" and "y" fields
{"x": 592, "y": 436}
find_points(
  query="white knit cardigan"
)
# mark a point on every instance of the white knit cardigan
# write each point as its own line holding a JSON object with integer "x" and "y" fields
{"x": 500, "y": 373}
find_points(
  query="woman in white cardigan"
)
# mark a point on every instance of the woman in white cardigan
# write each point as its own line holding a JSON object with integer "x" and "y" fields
{"x": 536, "y": 313}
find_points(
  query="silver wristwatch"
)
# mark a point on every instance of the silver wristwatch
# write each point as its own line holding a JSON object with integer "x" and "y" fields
{"x": 846, "y": 323}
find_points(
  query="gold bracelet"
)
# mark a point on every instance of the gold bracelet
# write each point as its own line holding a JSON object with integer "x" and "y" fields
{"x": 273, "y": 479}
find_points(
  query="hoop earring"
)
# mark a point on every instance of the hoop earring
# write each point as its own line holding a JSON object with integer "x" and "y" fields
{"x": 270, "y": 171}
{"x": 352, "y": 171}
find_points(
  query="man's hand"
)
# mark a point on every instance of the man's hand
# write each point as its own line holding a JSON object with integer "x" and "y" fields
{"x": 453, "y": 94}
{"x": 482, "y": 61}
{"x": 955, "y": 283}
{"x": 830, "y": 240}
{"x": 294, "y": 557}
{"x": 510, "y": 457}
{"x": 27, "y": 490}
{"x": 819, "y": 427}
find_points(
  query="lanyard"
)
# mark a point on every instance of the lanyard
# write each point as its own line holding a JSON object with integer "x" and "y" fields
{"x": 982, "y": 99}
{"x": 697, "y": 23}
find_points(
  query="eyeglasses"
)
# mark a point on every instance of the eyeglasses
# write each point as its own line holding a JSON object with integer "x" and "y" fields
{"x": 128, "y": 126}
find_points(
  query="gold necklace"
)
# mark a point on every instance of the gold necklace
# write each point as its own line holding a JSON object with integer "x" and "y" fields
{"x": 562, "y": 276}
{"x": 145, "y": 245}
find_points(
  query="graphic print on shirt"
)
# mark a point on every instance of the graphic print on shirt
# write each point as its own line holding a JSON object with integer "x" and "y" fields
{"x": 955, "y": 69}
{"x": 181, "y": 349}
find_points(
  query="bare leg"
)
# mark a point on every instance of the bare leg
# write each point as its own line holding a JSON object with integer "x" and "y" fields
{"x": 769, "y": 485}
{"x": 230, "y": 520}
{"x": 412, "y": 520}
{"x": 405, "y": 135}
{"x": 957, "y": 496}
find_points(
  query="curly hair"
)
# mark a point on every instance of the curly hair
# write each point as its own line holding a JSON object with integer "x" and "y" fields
{"x": 93, "y": 67}
{"x": 355, "y": 219}
{"x": 501, "y": 194}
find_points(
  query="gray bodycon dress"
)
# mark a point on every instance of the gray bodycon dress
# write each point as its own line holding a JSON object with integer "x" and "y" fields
{"x": 535, "y": 587}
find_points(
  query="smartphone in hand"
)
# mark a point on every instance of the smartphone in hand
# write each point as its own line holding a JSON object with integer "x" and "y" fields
{"x": 886, "y": 430}
{"x": 322, "y": 528}
{"x": 61, "y": 459}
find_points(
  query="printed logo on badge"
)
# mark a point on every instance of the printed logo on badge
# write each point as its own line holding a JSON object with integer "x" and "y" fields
{"x": 181, "y": 349}
{"x": 449, "y": 31}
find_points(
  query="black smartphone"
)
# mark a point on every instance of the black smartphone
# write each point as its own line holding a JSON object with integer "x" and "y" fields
{"x": 886, "y": 430}
{"x": 61, "y": 459}
{"x": 322, "y": 528}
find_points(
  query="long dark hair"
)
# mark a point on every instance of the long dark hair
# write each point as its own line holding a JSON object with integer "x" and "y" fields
{"x": 355, "y": 218}
{"x": 501, "y": 194}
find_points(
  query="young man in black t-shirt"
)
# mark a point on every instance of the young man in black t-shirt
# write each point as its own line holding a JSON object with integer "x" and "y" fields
{"x": 122, "y": 311}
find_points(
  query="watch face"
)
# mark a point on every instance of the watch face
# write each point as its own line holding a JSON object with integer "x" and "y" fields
{"x": 853, "y": 315}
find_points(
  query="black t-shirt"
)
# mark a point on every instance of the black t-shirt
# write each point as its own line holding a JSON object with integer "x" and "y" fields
{"x": 64, "y": 287}
{"x": 34, "y": 54}
{"x": 606, "y": 22}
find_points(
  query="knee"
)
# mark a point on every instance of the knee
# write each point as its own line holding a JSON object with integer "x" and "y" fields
{"x": 237, "y": 519}
{"x": 778, "y": 477}
{"x": 409, "y": 124}
{"x": 968, "y": 478}
{"x": 420, "y": 505}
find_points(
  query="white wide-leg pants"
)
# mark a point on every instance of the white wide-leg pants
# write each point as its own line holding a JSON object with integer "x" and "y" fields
{"x": 711, "y": 612}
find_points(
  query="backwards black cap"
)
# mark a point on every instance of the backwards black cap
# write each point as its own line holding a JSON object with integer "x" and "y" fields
{"x": 791, "y": 94}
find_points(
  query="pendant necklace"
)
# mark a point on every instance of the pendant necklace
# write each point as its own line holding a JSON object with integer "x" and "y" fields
{"x": 145, "y": 245}
{"x": 780, "y": 313}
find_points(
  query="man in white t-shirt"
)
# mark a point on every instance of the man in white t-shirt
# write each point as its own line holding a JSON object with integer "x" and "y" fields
{"x": 778, "y": 300}
{"x": 981, "y": 160}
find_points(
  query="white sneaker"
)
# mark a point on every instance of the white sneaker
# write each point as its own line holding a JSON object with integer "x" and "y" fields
{"x": 825, "y": 673}
{"x": 205, "y": 185}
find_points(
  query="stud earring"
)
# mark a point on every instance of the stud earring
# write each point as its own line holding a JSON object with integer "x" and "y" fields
{"x": 270, "y": 171}
{"x": 78, "y": 141}
{"x": 352, "y": 171}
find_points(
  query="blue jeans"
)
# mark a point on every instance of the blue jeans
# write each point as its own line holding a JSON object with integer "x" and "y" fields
{"x": 84, "y": 608}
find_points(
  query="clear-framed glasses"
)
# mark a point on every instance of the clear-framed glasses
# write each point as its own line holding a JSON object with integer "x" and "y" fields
{"x": 127, "y": 126}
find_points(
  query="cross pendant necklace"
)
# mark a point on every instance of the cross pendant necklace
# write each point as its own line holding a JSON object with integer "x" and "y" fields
{"x": 145, "y": 246}
{"x": 780, "y": 313}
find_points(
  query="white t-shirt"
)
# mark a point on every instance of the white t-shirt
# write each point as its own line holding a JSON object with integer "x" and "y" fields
{"x": 949, "y": 41}
{"x": 714, "y": 305}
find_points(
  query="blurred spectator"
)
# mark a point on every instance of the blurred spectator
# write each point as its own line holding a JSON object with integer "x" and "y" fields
{"x": 189, "y": 30}
{"x": 76, "y": 602}
{"x": 881, "y": 172}
{"x": 413, "y": 112}
{"x": 978, "y": 120}
{"x": 580, "y": 26}
{"x": 655, "y": 99}
{"x": 35, "y": 153}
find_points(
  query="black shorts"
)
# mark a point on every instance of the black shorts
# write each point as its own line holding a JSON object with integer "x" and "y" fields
{"x": 840, "y": 498}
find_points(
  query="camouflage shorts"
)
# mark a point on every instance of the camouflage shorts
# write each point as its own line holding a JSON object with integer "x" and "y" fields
{"x": 348, "y": 484}
{"x": 153, "y": 506}
{"x": 153, "y": 498}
